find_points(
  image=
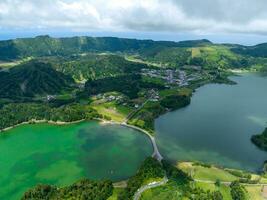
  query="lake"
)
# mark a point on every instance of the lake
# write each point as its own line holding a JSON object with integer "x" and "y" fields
{"x": 61, "y": 155}
{"x": 217, "y": 126}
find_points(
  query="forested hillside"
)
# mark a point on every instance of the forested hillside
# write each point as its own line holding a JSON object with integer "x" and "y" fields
{"x": 47, "y": 46}
{"x": 97, "y": 66}
{"x": 259, "y": 50}
{"x": 32, "y": 78}
{"x": 81, "y": 190}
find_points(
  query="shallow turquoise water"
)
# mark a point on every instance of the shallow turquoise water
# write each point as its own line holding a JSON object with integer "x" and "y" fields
{"x": 43, "y": 153}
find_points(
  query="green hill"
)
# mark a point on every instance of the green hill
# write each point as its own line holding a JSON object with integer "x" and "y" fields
{"x": 209, "y": 56}
{"x": 47, "y": 46}
{"x": 259, "y": 50}
{"x": 97, "y": 66}
{"x": 32, "y": 78}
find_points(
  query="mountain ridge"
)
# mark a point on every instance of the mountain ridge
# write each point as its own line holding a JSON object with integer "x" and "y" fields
{"x": 48, "y": 46}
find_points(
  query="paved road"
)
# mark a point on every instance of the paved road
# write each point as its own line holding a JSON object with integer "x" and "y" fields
{"x": 156, "y": 154}
{"x": 139, "y": 192}
{"x": 134, "y": 112}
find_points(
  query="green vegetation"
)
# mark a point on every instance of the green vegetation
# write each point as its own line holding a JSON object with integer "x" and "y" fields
{"x": 84, "y": 189}
{"x": 180, "y": 186}
{"x": 259, "y": 50}
{"x": 146, "y": 116}
{"x": 32, "y": 78}
{"x": 175, "y": 101}
{"x": 116, "y": 192}
{"x": 16, "y": 113}
{"x": 150, "y": 168}
{"x": 47, "y": 46}
{"x": 96, "y": 66}
{"x": 210, "y": 173}
{"x": 254, "y": 192}
{"x": 169, "y": 100}
{"x": 74, "y": 71}
{"x": 210, "y": 187}
{"x": 130, "y": 85}
{"x": 238, "y": 192}
{"x": 260, "y": 140}
{"x": 112, "y": 110}
{"x": 208, "y": 183}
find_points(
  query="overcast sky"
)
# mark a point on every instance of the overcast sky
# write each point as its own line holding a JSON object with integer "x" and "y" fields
{"x": 242, "y": 21}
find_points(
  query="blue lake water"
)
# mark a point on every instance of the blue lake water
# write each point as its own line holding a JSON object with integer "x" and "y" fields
{"x": 216, "y": 127}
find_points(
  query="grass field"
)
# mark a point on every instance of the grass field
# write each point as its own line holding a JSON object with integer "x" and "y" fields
{"x": 137, "y": 60}
{"x": 117, "y": 113}
{"x": 171, "y": 191}
{"x": 225, "y": 190}
{"x": 206, "y": 173}
{"x": 195, "y": 52}
{"x": 254, "y": 192}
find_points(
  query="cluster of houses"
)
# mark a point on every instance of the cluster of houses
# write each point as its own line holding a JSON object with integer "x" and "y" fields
{"x": 174, "y": 76}
{"x": 110, "y": 97}
{"x": 153, "y": 95}
{"x": 50, "y": 97}
{"x": 170, "y": 76}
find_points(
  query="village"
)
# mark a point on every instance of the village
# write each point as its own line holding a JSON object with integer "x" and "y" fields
{"x": 176, "y": 77}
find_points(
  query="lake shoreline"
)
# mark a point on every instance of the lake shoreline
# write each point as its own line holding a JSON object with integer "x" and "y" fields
{"x": 34, "y": 121}
{"x": 155, "y": 154}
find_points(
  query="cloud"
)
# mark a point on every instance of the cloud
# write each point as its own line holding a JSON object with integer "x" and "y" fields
{"x": 206, "y": 16}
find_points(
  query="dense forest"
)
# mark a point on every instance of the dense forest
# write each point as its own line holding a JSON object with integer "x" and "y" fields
{"x": 16, "y": 113}
{"x": 259, "y": 50}
{"x": 48, "y": 46}
{"x": 129, "y": 85}
{"x": 150, "y": 168}
{"x": 96, "y": 66}
{"x": 81, "y": 190}
{"x": 32, "y": 78}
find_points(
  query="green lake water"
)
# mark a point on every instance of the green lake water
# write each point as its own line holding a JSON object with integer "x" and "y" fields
{"x": 61, "y": 155}
{"x": 217, "y": 126}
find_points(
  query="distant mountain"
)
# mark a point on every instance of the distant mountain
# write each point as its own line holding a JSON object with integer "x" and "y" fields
{"x": 194, "y": 43}
{"x": 47, "y": 46}
{"x": 32, "y": 78}
{"x": 259, "y": 50}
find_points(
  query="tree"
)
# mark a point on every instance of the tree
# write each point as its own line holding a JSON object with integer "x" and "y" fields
{"x": 217, "y": 195}
{"x": 238, "y": 192}
{"x": 217, "y": 183}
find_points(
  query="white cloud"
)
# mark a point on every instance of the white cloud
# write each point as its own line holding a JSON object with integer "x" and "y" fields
{"x": 206, "y": 16}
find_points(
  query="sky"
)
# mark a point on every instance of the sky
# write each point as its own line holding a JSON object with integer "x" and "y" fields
{"x": 222, "y": 21}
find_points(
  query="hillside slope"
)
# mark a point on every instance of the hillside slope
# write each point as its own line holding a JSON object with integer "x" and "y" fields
{"x": 96, "y": 66}
{"x": 31, "y": 79}
{"x": 48, "y": 46}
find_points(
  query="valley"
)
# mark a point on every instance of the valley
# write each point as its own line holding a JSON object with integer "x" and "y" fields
{"x": 142, "y": 84}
